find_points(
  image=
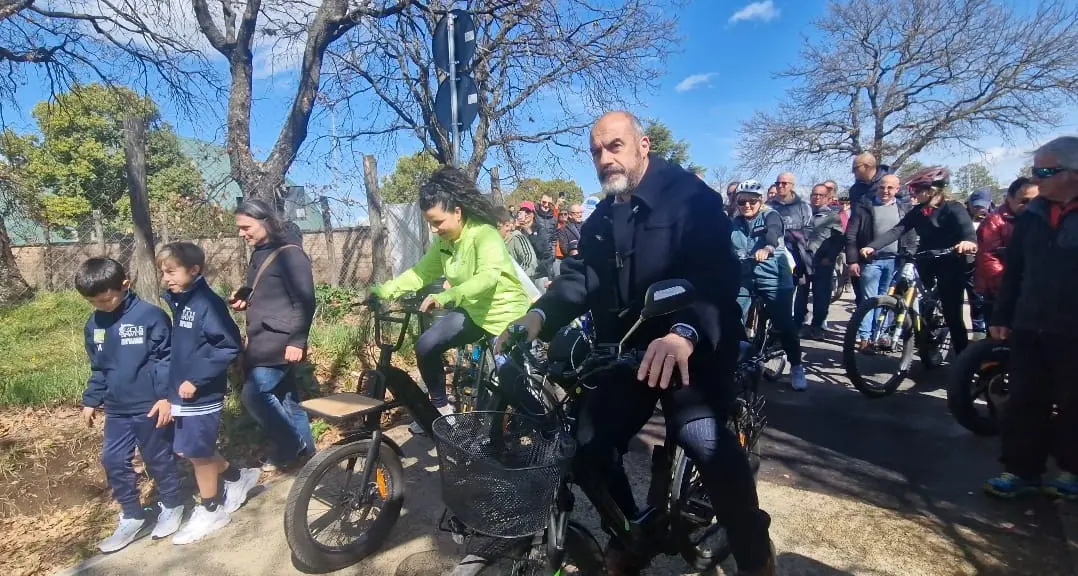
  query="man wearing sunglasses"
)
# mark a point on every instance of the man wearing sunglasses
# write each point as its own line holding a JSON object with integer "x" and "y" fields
{"x": 993, "y": 237}
{"x": 1037, "y": 311}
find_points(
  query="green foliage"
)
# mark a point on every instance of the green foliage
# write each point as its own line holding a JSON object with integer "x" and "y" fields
{"x": 667, "y": 147}
{"x": 534, "y": 188}
{"x": 44, "y": 362}
{"x": 77, "y": 165}
{"x": 333, "y": 302}
{"x": 970, "y": 178}
{"x": 402, "y": 186}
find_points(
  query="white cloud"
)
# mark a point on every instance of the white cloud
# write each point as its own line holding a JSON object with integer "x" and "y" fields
{"x": 762, "y": 11}
{"x": 693, "y": 81}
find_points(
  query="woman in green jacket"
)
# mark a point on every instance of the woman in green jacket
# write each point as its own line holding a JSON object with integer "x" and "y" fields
{"x": 485, "y": 294}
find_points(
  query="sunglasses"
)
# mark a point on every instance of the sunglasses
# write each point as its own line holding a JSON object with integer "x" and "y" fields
{"x": 1044, "y": 173}
{"x": 747, "y": 202}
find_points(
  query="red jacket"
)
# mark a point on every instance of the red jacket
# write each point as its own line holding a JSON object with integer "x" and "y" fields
{"x": 993, "y": 236}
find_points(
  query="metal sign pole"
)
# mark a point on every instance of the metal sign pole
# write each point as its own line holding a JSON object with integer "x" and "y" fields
{"x": 453, "y": 91}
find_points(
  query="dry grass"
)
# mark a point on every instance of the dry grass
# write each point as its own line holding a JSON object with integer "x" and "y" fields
{"x": 54, "y": 505}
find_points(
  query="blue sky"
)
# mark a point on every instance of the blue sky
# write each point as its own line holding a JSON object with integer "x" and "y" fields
{"x": 722, "y": 73}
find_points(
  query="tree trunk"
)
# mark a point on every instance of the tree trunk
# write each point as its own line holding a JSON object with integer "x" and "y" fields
{"x": 99, "y": 233}
{"x": 379, "y": 261}
{"x": 13, "y": 288}
{"x": 142, "y": 269}
{"x": 331, "y": 250}
{"x": 496, "y": 188}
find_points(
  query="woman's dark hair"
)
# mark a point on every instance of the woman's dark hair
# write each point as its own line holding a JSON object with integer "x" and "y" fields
{"x": 1017, "y": 186}
{"x": 451, "y": 188}
{"x": 261, "y": 210}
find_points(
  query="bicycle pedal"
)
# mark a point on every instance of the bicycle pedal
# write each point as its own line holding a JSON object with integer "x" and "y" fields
{"x": 458, "y": 538}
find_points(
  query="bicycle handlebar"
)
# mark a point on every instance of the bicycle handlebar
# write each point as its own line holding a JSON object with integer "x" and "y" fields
{"x": 932, "y": 254}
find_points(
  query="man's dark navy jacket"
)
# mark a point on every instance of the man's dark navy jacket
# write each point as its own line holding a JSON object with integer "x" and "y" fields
{"x": 675, "y": 227}
{"x": 205, "y": 340}
{"x": 129, "y": 357}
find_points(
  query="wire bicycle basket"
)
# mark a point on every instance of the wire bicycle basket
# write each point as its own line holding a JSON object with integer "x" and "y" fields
{"x": 500, "y": 470}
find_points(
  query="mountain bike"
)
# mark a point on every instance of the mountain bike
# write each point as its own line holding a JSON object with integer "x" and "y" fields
{"x": 507, "y": 476}
{"x": 908, "y": 318}
{"x": 979, "y": 386}
{"x": 358, "y": 483}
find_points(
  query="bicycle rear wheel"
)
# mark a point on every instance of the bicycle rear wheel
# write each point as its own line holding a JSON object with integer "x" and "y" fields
{"x": 869, "y": 371}
{"x": 936, "y": 346}
{"x": 766, "y": 341}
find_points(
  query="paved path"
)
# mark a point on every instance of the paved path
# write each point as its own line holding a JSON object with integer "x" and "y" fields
{"x": 855, "y": 486}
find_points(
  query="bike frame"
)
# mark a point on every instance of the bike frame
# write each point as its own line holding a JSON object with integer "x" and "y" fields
{"x": 908, "y": 302}
{"x": 649, "y": 532}
{"x": 406, "y": 392}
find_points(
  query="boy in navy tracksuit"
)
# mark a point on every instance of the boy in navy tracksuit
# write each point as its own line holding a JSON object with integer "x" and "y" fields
{"x": 127, "y": 340}
{"x": 205, "y": 341}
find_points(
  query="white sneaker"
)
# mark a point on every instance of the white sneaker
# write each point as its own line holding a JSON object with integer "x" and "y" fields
{"x": 168, "y": 521}
{"x": 236, "y": 492}
{"x": 127, "y": 530}
{"x": 797, "y": 378}
{"x": 202, "y": 523}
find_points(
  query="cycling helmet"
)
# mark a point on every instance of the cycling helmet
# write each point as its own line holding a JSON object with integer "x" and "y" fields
{"x": 750, "y": 187}
{"x": 934, "y": 176}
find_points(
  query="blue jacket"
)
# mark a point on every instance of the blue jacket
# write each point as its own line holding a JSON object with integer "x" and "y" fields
{"x": 205, "y": 340}
{"x": 748, "y": 236}
{"x": 128, "y": 350}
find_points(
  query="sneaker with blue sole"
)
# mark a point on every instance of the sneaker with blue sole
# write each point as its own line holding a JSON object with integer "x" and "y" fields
{"x": 1065, "y": 486}
{"x": 1008, "y": 485}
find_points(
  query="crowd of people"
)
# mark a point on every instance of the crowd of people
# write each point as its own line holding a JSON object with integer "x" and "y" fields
{"x": 161, "y": 381}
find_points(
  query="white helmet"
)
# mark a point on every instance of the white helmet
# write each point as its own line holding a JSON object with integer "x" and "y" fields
{"x": 750, "y": 187}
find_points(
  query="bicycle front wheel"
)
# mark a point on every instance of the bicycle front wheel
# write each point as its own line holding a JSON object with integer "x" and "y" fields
{"x": 581, "y": 555}
{"x": 331, "y": 521}
{"x": 871, "y": 366}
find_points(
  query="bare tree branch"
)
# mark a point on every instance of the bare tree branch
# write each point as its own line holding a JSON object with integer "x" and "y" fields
{"x": 543, "y": 69}
{"x": 921, "y": 74}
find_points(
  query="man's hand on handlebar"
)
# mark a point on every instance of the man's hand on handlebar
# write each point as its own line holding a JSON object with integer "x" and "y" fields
{"x": 867, "y": 252}
{"x": 999, "y": 332}
{"x": 965, "y": 247}
{"x": 854, "y": 270}
{"x": 662, "y": 356}
{"x": 526, "y": 327}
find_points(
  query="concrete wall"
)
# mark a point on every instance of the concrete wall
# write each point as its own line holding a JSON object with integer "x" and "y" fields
{"x": 53, "y": 267}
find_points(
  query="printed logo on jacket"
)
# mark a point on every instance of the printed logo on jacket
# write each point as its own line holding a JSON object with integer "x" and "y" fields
{"x": 187, "y": 318}
{"x": 132, "y": 335}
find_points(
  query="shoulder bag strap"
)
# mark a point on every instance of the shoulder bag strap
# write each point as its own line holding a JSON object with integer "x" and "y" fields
{"x": 266, "y": 263}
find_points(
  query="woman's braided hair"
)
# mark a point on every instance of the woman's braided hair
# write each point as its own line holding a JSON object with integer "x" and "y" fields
{"x": 452, "y": 188}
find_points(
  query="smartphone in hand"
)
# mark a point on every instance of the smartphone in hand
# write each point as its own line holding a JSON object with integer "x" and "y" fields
{"x": 244, "y": 293}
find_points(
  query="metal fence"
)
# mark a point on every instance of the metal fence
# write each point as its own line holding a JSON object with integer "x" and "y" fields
{"x": 48, "y": 256}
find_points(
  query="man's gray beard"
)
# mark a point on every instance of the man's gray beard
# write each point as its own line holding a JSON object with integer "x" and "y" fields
{"x": 620, "y": 188}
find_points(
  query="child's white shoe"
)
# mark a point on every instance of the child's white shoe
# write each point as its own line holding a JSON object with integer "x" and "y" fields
{"x": 202, "y": 523}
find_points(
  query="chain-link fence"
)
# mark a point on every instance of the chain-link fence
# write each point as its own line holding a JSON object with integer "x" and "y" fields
{"x": 48, "y": 255}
